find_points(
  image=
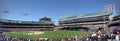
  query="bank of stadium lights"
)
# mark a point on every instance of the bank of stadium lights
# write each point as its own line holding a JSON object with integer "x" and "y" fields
{"x": 110, "y": 7}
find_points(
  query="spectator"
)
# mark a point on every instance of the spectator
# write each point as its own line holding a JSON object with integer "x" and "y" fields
{"x": 94, "y": 37}
{"x": 117, "y": 36}
{"x": 104, "y": 36}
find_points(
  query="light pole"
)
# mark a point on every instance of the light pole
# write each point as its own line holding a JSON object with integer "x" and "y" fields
{"x": 109, "y": 8}
{"x": 104, "y": 22}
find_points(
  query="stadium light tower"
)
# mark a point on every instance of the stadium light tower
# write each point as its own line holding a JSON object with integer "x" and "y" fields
{"x": 113, "y": 8}
{"x": 109, "y": 8}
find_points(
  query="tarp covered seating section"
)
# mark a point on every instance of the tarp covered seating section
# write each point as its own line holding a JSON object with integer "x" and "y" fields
{"x": 114, "y": 24}
{"x": 75, "y": 28}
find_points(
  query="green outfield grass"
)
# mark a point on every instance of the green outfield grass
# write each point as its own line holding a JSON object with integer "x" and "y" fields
{"x": 48, "y": 34}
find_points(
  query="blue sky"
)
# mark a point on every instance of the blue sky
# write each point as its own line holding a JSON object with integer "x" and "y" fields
{"x": 50, "y": 8}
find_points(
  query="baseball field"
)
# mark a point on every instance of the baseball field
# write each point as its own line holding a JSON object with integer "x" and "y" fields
{"x": 46, "y": 34}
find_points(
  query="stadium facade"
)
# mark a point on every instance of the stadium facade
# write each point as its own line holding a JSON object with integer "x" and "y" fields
{"x": 91, "y": 20}
{"x": 116, "y": 18}
{"x": 15, "y": 25}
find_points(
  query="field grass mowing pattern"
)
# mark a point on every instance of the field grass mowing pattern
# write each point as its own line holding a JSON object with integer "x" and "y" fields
{"x": 49, "y": 34}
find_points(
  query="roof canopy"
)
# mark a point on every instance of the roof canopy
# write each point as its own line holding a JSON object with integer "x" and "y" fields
{"x": 86, "y": 15}
{"x": 25, "y": 22}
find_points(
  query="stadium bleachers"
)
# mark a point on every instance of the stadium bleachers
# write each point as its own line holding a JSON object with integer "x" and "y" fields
{"x": 25, "y": 22}
{"x": 98, "y": 18}
{"x": 25, "y": 25}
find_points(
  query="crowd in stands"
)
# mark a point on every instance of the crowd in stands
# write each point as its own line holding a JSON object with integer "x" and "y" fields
{"x": 106, "y": 34}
